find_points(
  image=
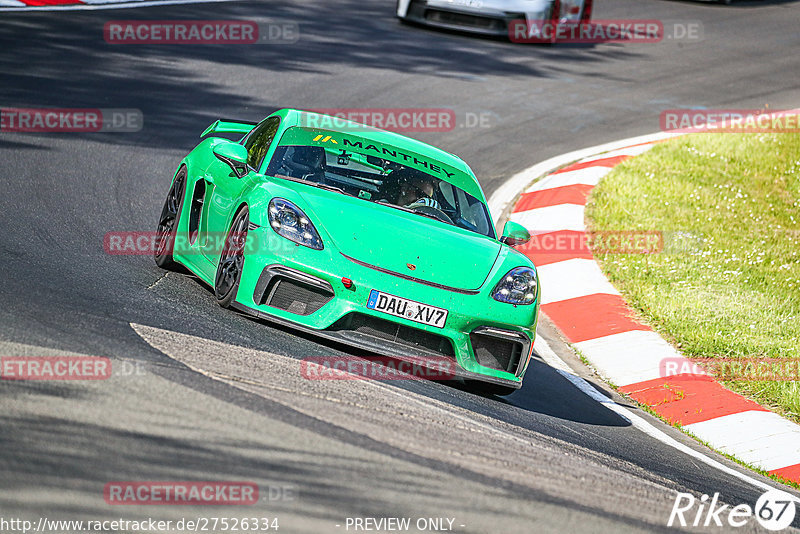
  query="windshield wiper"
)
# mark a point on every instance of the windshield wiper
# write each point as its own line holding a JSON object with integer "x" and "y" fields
{"x": 409, "y": 210}
{"x": 330, "y": 188}
{"x": 317, "y": 184}
{"x": 395, "y": 206}
{"x": 426, "y": 215}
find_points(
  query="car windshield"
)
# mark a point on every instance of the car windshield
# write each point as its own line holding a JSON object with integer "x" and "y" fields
{"x": 375, "y": 179}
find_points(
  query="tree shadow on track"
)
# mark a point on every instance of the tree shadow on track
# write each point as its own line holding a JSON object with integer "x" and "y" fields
{"x": 70, "y": 464}
{"x": 49, "y": 60}
{"x": 88, "y": 456}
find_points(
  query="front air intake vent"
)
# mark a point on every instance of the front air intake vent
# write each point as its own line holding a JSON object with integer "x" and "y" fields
{"x": 291, "y": 290}
{"x": 295, "y": 297}
{"x": 499, "y": 349}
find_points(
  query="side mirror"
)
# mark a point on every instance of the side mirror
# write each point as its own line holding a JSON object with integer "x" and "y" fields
{"x": 234, "y": 155}
{"x": 515, "y": 234}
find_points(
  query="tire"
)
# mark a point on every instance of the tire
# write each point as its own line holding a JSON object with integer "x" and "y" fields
{"x": 231, "y": 260}
{"x": 168, "y": 222}
{"x": 485, "y": 388}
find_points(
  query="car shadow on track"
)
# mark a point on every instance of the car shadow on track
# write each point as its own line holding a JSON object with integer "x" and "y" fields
{"x": 545, "y": 391}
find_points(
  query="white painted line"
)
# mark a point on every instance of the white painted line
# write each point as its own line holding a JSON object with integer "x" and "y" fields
{"x": 549, "y": 356}
{"x": 614, "y": 365}
{"x": 509, "y": 191}
{"x": 588, "y": 176}
{"x": 764, "y": 439}
{"x": 571, "y": 279}
{"x": 630, "y": 357}
{"x": 551, "y": 218}
{"x": 11, "y": 3}
{"x": 552, "y": 359}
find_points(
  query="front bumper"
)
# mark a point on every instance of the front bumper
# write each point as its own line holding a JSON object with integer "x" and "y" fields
{"x": 489, "y": 341}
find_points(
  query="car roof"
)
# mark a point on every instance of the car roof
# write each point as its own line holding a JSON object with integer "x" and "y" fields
{"x": 464, "y": 180}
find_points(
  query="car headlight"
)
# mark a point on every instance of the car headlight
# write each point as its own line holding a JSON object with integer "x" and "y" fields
{"x": 518, "y": 286}
{"x": 290, "y": 222}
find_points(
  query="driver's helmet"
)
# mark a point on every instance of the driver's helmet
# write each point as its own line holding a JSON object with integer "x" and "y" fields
{"x": 415, "y": 188}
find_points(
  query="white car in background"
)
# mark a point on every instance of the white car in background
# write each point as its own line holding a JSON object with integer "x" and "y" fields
{"x": 491, "y": 17}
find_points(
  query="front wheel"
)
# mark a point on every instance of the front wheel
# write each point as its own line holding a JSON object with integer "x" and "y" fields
{"x": 231, "y": 261}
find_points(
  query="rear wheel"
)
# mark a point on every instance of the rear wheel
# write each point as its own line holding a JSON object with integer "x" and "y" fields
{"x": 231, "y": 261}
{"x": 168, "y": 222}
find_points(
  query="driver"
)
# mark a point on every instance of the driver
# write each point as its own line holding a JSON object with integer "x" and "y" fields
{"x": 416, "y": 190}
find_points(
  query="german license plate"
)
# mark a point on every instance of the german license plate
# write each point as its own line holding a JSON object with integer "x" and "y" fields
{"x": 408, "y": 309}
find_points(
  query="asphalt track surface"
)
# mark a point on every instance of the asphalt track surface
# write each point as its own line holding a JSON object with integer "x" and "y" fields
{"x": 546, "y": 459}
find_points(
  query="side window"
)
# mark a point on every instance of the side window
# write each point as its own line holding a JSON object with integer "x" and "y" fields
{"x": 258, "y": 142}
{"x": 447, "y": 193}
{"x": 474, "y": 212}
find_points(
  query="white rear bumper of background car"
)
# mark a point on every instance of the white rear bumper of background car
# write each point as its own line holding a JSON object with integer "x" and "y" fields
{"x": 491, "y": 17}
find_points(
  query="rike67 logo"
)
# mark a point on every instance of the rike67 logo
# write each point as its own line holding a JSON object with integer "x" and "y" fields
{"x": 774, "y": 510}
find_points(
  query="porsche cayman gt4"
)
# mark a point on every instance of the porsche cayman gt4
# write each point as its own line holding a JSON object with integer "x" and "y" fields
{"x": 356, "y": 234}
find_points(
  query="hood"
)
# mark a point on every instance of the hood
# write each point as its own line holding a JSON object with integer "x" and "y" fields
{"x": 392, "y": 239}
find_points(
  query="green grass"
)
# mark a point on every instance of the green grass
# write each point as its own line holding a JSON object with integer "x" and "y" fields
{"x": 727, "y": 284}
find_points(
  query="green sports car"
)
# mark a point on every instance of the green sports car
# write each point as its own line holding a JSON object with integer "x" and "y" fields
{"x": 356, "y": 234}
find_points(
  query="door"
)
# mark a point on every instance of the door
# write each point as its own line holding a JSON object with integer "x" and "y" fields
{"x": 224, "y": 188}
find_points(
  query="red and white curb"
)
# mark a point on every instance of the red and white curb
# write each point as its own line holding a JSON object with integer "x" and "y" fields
{"x": 62, "y": 5}
{"x": 595, "y": 318}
